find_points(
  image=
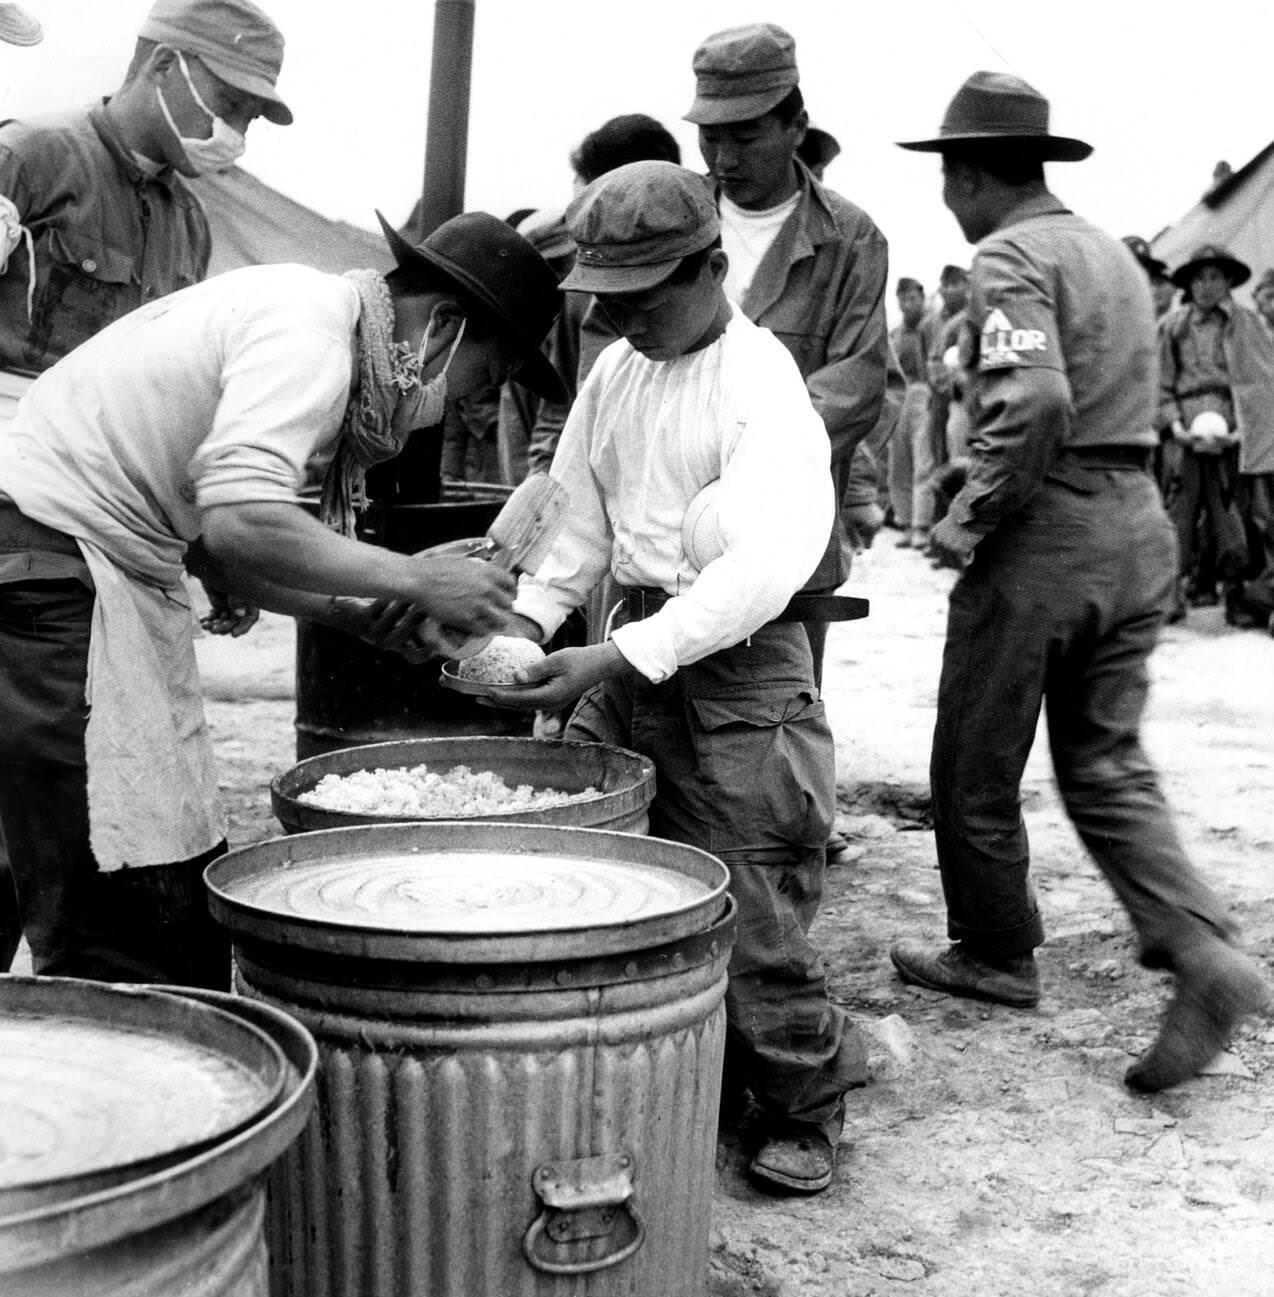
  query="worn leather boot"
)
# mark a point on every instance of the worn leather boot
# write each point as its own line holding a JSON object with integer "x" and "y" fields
{"x": 799, "y": 1160}
{"x": 1015, "y": 982}
{"x": 1217, "y": 986}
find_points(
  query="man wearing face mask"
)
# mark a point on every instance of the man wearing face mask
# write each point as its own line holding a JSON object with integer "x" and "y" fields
{"x": 95, "y": 216}
{"x": 187, "y": 435}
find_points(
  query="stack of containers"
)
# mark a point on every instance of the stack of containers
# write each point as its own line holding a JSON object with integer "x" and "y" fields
{"x": 139, "y": 1127}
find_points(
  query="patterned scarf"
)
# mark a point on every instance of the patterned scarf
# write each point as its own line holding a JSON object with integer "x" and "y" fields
{"x": 385, "y": 370}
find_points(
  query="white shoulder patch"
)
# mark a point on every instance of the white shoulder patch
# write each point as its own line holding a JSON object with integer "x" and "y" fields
{"x": 1003, "y": 345}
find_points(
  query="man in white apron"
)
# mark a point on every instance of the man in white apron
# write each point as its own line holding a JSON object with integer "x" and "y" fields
{"x": 185, "y": 437}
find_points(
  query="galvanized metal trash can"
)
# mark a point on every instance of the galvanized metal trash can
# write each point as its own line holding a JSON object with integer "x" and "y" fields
{"x": 624, "y": 781}
{"x": 137, "y": 1166}
{"x": 521, "y": 1032}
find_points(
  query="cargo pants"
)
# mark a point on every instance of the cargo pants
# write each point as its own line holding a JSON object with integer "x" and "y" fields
{"x": 745, "y": 769}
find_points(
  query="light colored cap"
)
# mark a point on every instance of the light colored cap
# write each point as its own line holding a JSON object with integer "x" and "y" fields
{"x": 17, "y": 27}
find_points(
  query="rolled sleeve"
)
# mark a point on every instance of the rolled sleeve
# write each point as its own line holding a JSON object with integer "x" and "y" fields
{"x": 283, "y": 398}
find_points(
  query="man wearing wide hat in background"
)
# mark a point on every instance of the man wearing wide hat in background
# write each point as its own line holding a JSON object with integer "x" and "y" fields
{"x": 1216, "y": 413}
{"x": 1066, "y": 560}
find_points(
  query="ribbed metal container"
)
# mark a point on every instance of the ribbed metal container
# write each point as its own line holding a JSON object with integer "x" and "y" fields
{"x": 526, "y": 1113}
{"x": 194, "y": 1228}
{"x": 624, "y": 780}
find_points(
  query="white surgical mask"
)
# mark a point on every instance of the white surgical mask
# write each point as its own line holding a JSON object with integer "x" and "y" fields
{"x": 222, "y": 149}
{"x": 422, "y": 404}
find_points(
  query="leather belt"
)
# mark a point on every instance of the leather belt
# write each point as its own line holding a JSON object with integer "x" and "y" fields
{"x": 645, "y": 601}
{"x": 18, "y": 532}
{"x": 1136, "y": 456}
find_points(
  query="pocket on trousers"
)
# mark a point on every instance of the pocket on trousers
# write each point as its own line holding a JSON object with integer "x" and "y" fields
{"x": 767, "y": 766}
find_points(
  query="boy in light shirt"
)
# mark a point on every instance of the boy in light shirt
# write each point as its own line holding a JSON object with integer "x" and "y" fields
{"x": 710, "y": 672}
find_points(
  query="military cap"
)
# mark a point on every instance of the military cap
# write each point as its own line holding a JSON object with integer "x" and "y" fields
{"x": 234, "y": 39}
{"x": 741, "y": 73}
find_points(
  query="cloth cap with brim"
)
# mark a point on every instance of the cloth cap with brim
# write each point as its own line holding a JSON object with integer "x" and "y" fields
{"x": 1140, "y": 249}
{"x": 17, "y": 27}
{"x": 996, "y": 108}
{"x": 495, "y": 265}
{"x": 633, "y": 226}
{"x": 546, "y": 232}
{"x": 1212, "y": 254}
{"x": 232, "y": 38}
{"x": 741, "y": 73}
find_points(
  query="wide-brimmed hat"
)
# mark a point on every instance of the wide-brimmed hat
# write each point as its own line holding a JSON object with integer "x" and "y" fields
{"x": 818, "y": 148}
{"x": 741, "y": 73}
{"x": 1212, "y": 254}
{"x": 17, "y": 27}
{"x": 236, "y": 41}
{"x": 1140, "y": 249}
{"x": 633, "y": 226}
{"x": 494, "y": 264}
{"x": 996, "y": 108}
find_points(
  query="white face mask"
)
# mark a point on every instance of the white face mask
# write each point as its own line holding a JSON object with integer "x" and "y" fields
{"x": 222, "y": 149}
{"x": 421, "y": 404}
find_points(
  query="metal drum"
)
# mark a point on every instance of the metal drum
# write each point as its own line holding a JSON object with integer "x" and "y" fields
{"x": 169, "y": 1195}
{"x": 521, "y": 1032}
{"x": 348, "y": 693}
{"x": 624, "y": 780}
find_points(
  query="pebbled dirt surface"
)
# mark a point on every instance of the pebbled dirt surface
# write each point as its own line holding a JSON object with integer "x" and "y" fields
{"x": 996, "y": 1152}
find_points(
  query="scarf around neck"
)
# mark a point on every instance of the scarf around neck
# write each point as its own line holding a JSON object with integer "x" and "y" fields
{"x": 368, "y": 436}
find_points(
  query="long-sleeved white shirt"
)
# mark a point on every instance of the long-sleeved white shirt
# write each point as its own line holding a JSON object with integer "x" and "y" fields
{"x": 643, "y": 438}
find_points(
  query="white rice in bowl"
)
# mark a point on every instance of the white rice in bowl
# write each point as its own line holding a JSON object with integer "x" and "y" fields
{"x": 420, "y": 793}
{"x": 500, "y": 660}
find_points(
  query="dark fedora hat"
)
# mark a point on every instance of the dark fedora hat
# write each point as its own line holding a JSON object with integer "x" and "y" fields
{"x": 494, "y": 264}
{"x": 1212, "y": 254}
{"x": 994, "y": 107}
{"x": 1140, "y": 249}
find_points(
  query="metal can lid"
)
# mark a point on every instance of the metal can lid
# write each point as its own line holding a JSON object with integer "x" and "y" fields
{"x": 467, "y": 891}
{"x": 102, "y": 1083}
{"x": 472, "y": 892}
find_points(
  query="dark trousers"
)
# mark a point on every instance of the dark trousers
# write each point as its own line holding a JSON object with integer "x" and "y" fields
{"x": 1256, "y": 493}
{"x": 1061, "y": 608}
{"x": 148, "y": 924}
{"x": 1202, "y": 497}
{"x": 744, "y": 767}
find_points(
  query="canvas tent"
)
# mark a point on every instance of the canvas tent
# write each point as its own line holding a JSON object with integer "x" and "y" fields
{"x": 253, "y": 224}
{"x": 1237, "y": 213}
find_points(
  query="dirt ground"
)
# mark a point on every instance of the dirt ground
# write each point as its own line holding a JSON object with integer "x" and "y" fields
{"x": 996, "y": 1151}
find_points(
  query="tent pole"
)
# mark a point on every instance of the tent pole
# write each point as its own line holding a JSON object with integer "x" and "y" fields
{"x": 446, "y": 141}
